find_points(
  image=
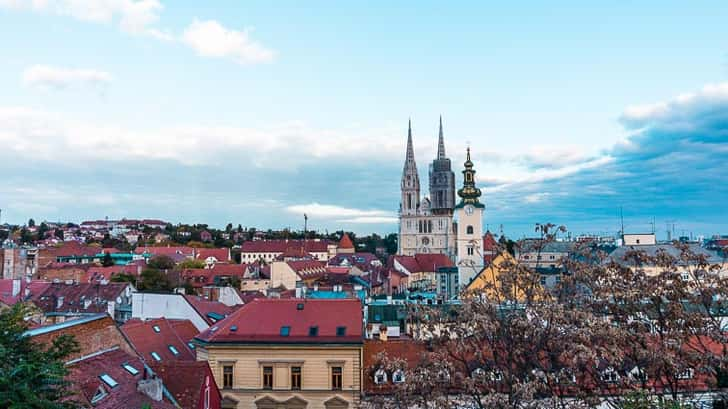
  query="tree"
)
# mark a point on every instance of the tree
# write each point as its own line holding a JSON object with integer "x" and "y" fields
{"x": 32, "y": 375}
{"x": 31, "y": 223}
{"x": 187, "y": 264}
{"x": 152, "y": 279}
{"x": 59, "y": 234}
{"x": 161, "y": 262}
{"x": 107, "y": 261}
{"x": 629, "y": 335}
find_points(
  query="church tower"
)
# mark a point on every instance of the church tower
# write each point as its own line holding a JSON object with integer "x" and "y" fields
{"x": 442, "y": 180}
{"x": 469, "y": 213}
{"x": 410, "y": 180}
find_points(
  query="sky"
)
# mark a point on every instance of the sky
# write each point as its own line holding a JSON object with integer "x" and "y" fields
{"x": 244, "y": 112}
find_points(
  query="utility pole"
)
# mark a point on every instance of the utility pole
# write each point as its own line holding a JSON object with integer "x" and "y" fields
{"x": 305, "y": 225}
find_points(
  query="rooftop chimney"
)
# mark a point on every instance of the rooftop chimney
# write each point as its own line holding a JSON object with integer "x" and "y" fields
{"x": 16, "y": 287}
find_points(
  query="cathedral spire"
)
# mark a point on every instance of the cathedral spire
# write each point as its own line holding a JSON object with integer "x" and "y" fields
{"x": 410, "y": 148}
{"x": 441, "y": 143}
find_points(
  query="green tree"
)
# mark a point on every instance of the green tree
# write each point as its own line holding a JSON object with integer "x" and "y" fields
{"x": 124, "y": 278}
{"x": 107, "y": 260}
{"x": 31, "y": 223}
{"x": 161, "y": 262}
{"x": 154, "y": 280}
{"x": 31, "y": 375}
{"x": 59, "y": 234}
{"x": 185, "y": 264}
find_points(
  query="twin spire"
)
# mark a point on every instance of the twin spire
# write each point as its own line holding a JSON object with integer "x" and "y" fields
{"x": 440, "y": 143}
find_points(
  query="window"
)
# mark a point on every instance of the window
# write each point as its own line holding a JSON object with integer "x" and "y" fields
{"x": 340, "y": 331}
{"x": 471, "y": 251}
{"x": 267, "y": 377}
{"x": 173, "y": 350}
{"x": 156, "y": 356}
{"x": 543, "y": 280}
{"x": 191, "y": 345}
{"x": 108, "y": 380}
{"x": 398, "y": 376}
{"x": 685, "y": 276}
{"x": 686, "y": 374}
{"x": 156, "y": 328}
{"x": 285, "y": 331}
{"x": 296, "y": 377}
{"x": 337, "y": 375}
{"x": 227, "y": 377}
{"x": 470, "y": 230}
{"x": 313, "y": 331}
{"x": 610, "y": 375}
{"x": 100, "y": 394}
{"x": 380, "y": 377}
{"x": 130, "y": 369}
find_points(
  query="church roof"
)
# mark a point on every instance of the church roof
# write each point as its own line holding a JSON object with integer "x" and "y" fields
{"x": 346, "y": 242}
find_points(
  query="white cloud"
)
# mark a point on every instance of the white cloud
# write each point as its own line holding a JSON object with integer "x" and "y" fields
{"x": 60, "y": 78}
{"x": 210, "y": 39}
{"x": 133, "y": 16}
{"x": 343, "y": 214}
{"x": 45, "y": 135}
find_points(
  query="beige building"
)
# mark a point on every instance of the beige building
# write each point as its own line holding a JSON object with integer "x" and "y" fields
{"x": 287, "y": 353}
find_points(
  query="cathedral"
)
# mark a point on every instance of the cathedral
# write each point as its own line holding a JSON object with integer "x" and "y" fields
{"x": 426, "y": 223}
{"x": 436, "y": 224}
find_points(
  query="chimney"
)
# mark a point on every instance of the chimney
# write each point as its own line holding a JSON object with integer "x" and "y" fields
{"x": 389, "y": 300}
{"x": 151, "y": 387}
{"x": 383, "y": 333}
{"x": 16, "y": 287}
{"x": 59, "y": 302}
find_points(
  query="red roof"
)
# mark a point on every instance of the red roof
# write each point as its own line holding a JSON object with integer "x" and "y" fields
{"x": 307, "y": 268}
{"x": 184, "y": 328}
{"x": 205, "y": 307}
{"x": 84, "y": 376}
{"x": 156, "y": 335}
{"x": 95, "y": 273}
{"x": 424, "y": 262}
{"x": 186, "y": 381}
{"x": 264, "y": 320}
{"x": 346, "y": 242}
{"x": 73, "y": 248}
{"x": 280, "y": 246}
{"x": 166, "y": 251}
{"x": 489, "y": 243}
{"x": 222, "y": 254}
{"x": 200, "y": 277}
{"x": 78, "y": 298}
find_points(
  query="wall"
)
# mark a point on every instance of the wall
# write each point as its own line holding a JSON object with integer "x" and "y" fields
{"x": 315, "y": 362}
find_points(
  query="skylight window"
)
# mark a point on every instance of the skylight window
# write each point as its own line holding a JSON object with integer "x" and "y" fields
{"x": 108, "y": 380}
{"x": 285, "y": 331}
{"x": 173, "y": 349}
{"x": 156, "y": 356}
{"x": 234, "y": 328}
{"x": 313, "y": 331}
{"x": 340, "y": 331}
{"x": 130, "y": 369}
{"x": 191, "y": 345}
{"x": 156, "y": 328}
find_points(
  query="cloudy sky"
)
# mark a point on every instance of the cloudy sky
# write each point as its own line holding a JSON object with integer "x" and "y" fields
{"x": 238, "y": 111}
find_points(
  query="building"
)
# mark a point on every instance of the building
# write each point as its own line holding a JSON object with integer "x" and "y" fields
{"x": 639, "y": 239}
{"x": 18, "y": 262}
{"x": 156, "y": 340}
{"x": 287, "y": 353}
{"x": 60, "y": 302}
{"x": 421, "y": 269}
{"x": 469, "y": 215}
{"x": 202, "y": 313}
{"x": 426, "y": 224}
{"x": 538, "y": 253}
{"x": 270, "y": 250}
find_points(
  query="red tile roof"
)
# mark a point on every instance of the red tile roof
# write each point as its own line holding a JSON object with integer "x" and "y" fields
{"x": 78, "y": 298}
{"x": 405, "y": 349}
{"x": 345, "y": 242}
{"x": 280, "y": 246}
{"x": 205, "y": 307}
{"x": 307, "y": 268}
{"x": 186, "y": 381}
{"x": 184, "y": 328}
{"x": 222, "y": 254}
{"x": 85, "y": 375}
{"x": 424, "y": 262}
{"x": 262, "y": 320}
{"x": 96, "y": 273}
{"x": 145, "y": 339}
{"x": 166, "y": 251}
{"x": 200, "y": 277}
{"x": 73, "y": 248}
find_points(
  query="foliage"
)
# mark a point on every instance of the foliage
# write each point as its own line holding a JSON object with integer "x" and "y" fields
{"x": 107, "y": 261}
{"x": 515, "y": 344}
{"x": 152, "y": 279}
{"x": 32, "y": 376}
{"x": 186, "y": 264}
{"x": 161, "y": 262}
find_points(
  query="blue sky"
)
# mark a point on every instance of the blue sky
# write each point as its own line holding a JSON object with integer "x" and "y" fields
{"x": 244, "y": 112}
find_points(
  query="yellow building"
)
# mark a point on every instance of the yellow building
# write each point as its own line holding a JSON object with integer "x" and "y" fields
{"x": 504, "y": 280}
{"x": 287, "y": 353}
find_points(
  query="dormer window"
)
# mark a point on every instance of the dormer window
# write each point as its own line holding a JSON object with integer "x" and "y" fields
{"x": 285, "y": 331}
{"x": 313, "y": 331}
{"x": 156, "y": 328}
{"x": 380, "y": 377}
{"x": 340, "y": 331}
{"x": 398, "y": 376}
{"x": 99, "y": 395}
{"x": 173, "y": 350}
{"x": 156, "y": 356}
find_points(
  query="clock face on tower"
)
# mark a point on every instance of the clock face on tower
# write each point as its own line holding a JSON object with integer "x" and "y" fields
{"x": 469, "y": 210}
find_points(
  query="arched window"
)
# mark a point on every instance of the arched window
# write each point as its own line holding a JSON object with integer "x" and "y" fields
{"x": 409, "y": 200}
{"x": 470, "y": 229}
{"x": 380, "y": 377}
{"x": 429, "y": 226}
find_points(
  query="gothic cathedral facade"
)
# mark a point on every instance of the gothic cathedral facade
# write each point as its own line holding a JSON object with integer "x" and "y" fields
{"x": 426, "y": 223}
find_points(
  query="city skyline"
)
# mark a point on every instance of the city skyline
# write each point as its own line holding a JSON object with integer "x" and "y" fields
{"x": 257, "y": 116}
